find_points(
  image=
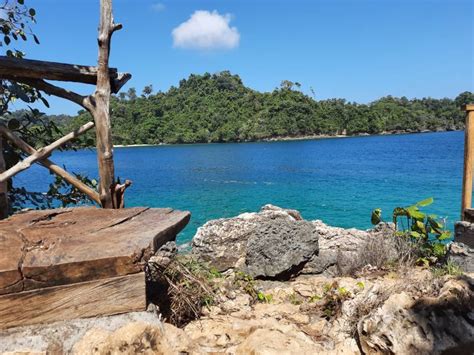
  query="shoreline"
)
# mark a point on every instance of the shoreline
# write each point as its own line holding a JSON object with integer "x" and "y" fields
{"x": 289, "y": 138}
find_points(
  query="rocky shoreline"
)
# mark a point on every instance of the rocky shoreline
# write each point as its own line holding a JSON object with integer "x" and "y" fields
{"x": 300, "y": 138}
{"x": 275, "y": 283}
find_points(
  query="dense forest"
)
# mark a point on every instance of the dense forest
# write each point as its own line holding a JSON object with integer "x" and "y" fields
{"x": 219, "y": 108}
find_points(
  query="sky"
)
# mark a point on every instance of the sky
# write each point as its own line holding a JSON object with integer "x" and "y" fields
{"x": 359, "y": 50}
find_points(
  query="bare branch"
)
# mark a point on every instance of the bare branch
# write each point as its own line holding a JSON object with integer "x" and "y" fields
{"x": 56, "y": 91}
{"x": 43, "y": 152}
{"x": 93, "y": 195}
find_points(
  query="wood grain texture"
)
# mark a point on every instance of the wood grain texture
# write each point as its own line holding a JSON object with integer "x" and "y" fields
{"x": 101, "y": 109}
{"x": 86, "y": 299}
{"x": 466, "y": 201}
{"x": 62, "y": 246}
{"x": 15, "y": 68}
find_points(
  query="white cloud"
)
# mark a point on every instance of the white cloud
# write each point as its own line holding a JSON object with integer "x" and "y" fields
{"x": 205, "y": 31}
{"x": 158, "y": 7}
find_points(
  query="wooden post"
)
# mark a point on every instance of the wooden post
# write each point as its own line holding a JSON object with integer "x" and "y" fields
{"x": 100, "y": 105}
{"x": 3, "y": 185}
{"x": 468, "y": 160}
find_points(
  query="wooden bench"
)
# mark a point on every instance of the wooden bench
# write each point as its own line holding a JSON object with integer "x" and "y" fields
{"x": 79, "y": 262}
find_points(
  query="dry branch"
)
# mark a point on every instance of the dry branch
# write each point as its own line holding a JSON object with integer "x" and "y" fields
{"x": 93, "y": 195}
{"x": 44, "y": 152}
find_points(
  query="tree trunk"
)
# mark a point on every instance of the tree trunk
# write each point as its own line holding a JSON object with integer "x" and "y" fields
{"x": 101, "y": 102}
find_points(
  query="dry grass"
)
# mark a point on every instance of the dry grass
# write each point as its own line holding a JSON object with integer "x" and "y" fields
{"x": 189, "y": 288}
{"x": 385, "y": 253}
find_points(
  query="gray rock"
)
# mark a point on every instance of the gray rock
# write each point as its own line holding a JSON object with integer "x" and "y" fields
{"x": 160, "y": 260}
{"x": 464, "y": 233}
{"x": 462, "y": 255}
{"x": 341, "y": 250}
{"x": 280, "y": 248}
{"x": 278, "y": 242}
{"x": 223, "y": 242}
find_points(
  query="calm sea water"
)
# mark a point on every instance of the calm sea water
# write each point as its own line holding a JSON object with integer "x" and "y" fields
{"x": 337, "y": 180}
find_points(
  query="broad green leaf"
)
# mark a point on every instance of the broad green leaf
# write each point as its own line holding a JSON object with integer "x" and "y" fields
{"x": 425, "y": 202}
{"x": 413, "y": 212}
{"x": 376, "y": 217}
{"x": 445, "y": 235}
{"x": 439, "y": 249}
{"x": 415, "y": 234}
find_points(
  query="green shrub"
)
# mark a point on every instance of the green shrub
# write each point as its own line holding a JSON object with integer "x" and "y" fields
{"x": 426, "y": 231}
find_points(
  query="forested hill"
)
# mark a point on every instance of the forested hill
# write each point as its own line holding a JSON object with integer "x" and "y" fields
{"x": 219, "y": 108}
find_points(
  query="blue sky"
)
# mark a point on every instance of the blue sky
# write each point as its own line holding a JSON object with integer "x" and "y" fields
{"x": 359, "y": 50}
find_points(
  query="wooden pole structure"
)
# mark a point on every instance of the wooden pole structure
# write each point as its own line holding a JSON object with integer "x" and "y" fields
{"x": 107, "y": 80}
{"x": 100, "y": 103}
{"x": 468, "y": 160}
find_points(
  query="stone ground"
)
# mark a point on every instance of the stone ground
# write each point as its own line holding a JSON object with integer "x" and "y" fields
{"x": 379, "y": 312}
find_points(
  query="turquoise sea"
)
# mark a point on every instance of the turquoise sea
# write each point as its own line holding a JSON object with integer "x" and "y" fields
{"x": 336, "y": 180}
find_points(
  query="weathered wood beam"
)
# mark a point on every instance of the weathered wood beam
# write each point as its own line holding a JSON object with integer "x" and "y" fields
{"x": 15, "y": 68}
{"x": 81, "y": 300}
{"x": 56, "y": 169}
{"x": 466, "y": 201}
{"x": 43, "y": 152}
{"x": 101, "y": 109}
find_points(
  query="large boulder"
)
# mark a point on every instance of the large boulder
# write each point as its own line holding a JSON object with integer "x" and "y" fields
{"x": 271, "y": 243}
{"x": 278, "y": 243}
{"x": 280, "y": 248}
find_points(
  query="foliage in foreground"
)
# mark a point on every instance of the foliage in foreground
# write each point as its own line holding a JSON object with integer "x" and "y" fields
{"x": 30, "y": 125}
{"x": 425, "y": 231}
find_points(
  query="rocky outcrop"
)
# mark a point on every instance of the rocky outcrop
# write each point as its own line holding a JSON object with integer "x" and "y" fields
{"x": 270, "y": 243}
{"x": 461, "y": 255}
{"x": 426, "y": 325}
{"x": 278, "y": 243}
{"x": 394, "y": 313}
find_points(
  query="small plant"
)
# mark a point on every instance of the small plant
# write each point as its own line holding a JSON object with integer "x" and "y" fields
{"x": 332, "y": 299}
{"x": 426, "y": 231}
{"x": 450, "y": 268}
{"x": 360, "y": 285}
{"x": 315, "y": 298}
{"x": 295, "y": 299}
{"x": 246, "y": 283}
{"x": 261, "y": 297}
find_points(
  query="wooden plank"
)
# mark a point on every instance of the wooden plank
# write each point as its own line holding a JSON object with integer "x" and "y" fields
{"x": 62, "y": 246}
{"x": 12, "y": 68}
{"x": 82, "y": 300}
{"x": 468, "y": 162}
